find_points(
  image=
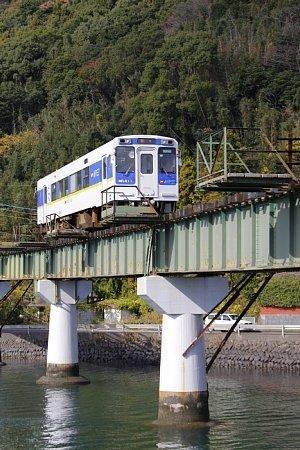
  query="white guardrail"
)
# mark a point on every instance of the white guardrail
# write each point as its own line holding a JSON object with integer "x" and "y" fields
{"x": 118, "y": 327}
{"x": 284, "y": 329}
{"x": 156, "y": 328}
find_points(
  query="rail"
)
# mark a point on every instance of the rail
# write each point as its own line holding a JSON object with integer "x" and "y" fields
{"x": 242, "y": 232}
{"x": 188, "y": 212}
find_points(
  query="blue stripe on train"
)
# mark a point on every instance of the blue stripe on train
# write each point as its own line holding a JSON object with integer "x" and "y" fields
{"x": 122, "y": 178}
{"x": 95, "y": 173}
{"x": 139, "y": 141}
{"x": 167, "y": 179}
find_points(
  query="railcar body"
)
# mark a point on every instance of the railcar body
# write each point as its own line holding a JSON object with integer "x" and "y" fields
{"x": 130, "y": 179}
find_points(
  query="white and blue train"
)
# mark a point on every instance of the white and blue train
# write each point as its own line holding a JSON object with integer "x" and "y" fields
{"x": 131, "y": 178}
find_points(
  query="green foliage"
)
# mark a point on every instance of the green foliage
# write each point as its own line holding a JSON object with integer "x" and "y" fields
{"x": 20, "y": 313}
{"x": 79, "y": 73}
{"x": 282, "y": 291}
{"x": 162, "y": 64}
{"x": 187, "y": 181}
{"x": 74, "y": 74}
{"x": 134, "y": 304}
{"x": 120, "y": 294}
{"x": 5, "y": 311}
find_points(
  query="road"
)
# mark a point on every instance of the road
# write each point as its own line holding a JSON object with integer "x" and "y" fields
{"x": 290, "y": 335}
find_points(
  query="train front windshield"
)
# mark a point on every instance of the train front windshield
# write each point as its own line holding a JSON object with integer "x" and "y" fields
{"x": 167, "y": 160}
{"x": 167, "y": 166}
{"x": 125, "y": 165}
{"x": 125, "y": 159}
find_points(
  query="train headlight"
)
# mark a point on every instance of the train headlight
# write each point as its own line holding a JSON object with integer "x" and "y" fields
{"x": 125, "y": 141}
{"x": 167, "y": 142}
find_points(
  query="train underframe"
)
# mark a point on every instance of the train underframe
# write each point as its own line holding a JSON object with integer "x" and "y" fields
{"x": 111, "y": 214}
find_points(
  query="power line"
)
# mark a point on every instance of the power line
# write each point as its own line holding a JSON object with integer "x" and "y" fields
{"x": 11, "y": 211}
{"x": 6, "y": 218}
{"x": 17, "y": 207}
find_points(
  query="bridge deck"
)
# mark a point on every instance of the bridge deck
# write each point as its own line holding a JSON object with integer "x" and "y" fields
{"x": 258, "y": 234}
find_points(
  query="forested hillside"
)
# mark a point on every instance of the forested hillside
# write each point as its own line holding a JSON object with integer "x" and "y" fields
{"x": 75, "y": 73}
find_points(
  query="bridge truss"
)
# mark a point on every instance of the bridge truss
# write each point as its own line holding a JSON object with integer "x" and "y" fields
{"x": 244, "y": 232}
{"x": 245, "y": 160}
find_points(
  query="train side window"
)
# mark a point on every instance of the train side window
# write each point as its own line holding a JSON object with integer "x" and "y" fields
{"x": 109, "y": 168}
{"x": 146, "y": 163}
{"x": 72, "y": 183}
{"x": 53, "y": 192}
{"x": 61, "y": 189}
{"x": 66, "y": 187}
{"x": 78, "y": 180}
{"x": 45, "y": 194}
{"x": 104, "y": 168}
{"x": 85, "y": 177}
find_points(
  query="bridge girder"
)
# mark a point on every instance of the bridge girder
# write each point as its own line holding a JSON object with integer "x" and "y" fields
{"x": 255, "y": 236}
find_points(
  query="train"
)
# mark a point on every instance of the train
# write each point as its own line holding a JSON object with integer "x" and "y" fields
{"x": 130, "y": 179}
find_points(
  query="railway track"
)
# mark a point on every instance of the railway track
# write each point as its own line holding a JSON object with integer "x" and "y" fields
{"x": 188, "y": 212}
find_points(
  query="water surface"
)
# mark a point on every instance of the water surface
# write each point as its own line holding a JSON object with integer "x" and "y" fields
{"x": 252, "y": 411}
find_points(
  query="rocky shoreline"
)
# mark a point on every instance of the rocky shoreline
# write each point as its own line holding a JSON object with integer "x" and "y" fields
{"x": 142, "y": 348}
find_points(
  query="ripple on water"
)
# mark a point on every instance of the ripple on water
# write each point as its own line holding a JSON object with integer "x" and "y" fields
{"x": 253, "y": 411}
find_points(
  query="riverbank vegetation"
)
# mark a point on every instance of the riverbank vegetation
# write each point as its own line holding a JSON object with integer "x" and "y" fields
{"x": 282, "y": 291}
{"x": 75, "y": 73}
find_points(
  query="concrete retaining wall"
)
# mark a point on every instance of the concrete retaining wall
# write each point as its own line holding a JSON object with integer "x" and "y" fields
{"x": 261, "y": 352}
{"x": 279, "y": 316}
{"x": 133, "y": 348}
{"x": 22, "y": 346}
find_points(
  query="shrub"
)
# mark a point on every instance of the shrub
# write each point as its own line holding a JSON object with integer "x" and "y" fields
{"x": 282, "y": 291}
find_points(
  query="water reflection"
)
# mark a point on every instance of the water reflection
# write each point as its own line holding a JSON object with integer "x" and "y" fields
{"x": 249, "y": 409}
{"x": 60, "y": 418}
{"x": 189, "y": 439}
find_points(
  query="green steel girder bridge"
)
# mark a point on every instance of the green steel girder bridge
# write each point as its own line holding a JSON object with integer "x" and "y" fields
{"x": 244, "y": 233}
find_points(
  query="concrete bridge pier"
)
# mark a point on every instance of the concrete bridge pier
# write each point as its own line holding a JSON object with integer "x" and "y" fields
{"x": 62, "y": 356}
{"x": 5, "y": 287}
{"x": 183, "y": 391}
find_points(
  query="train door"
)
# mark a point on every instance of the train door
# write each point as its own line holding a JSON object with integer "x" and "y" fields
{"x": 147, "y": 171}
